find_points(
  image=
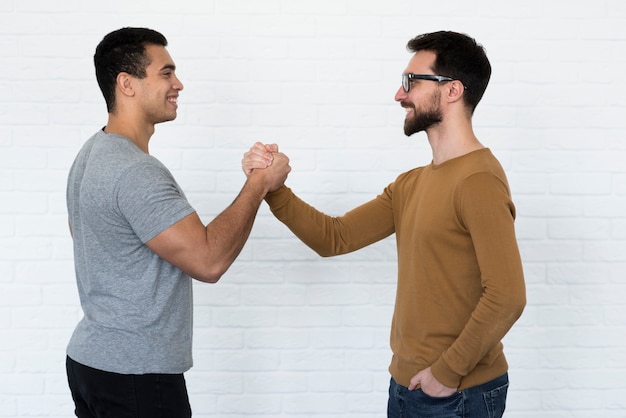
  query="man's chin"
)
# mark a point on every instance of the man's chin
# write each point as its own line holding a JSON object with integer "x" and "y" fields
{"x": 410, "y": 130}
{"x": 167, "y": 119}
{"x": 413, "y": 128}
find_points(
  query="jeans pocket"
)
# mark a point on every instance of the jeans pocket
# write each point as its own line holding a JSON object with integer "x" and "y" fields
{"x": 423, "y": 405}
{"x": 495, "y": 401}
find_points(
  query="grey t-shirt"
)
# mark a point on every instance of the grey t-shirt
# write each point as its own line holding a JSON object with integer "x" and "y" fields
{"x": 137, "y": 307}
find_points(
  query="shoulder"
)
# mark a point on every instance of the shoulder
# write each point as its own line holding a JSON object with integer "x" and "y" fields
{"x": 482, "y": 161}
{"x": 483, "y": 168}
{"x": 118, "y": 156}
{"x": 410, "y": 175}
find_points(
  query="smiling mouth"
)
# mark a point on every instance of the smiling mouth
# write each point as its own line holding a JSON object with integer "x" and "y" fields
{"x": 173, "y": 100}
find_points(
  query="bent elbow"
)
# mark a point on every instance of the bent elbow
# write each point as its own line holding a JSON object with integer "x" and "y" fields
{"x": 207, "y": 277}
{"x": 516, "y": 306}
{"x": 324, "y": 254}
{"x": 521, "y": 305}
{"x": 326, "y": 250}
{"x": 209, "y": 273}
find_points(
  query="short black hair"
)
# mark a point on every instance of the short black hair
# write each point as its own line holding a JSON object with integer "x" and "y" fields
{"x": 123, "y": 50}
{"x": 459, "y": 56}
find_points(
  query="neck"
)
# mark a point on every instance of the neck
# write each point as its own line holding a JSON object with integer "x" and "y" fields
{"x": 137, "y": 133}
{"x": 452, "y": 140}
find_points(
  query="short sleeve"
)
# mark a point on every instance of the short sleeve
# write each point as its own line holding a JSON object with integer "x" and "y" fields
{"x": 151, "y": 201}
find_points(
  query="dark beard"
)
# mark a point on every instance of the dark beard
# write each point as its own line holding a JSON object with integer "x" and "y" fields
{"x": 422, "y": 121}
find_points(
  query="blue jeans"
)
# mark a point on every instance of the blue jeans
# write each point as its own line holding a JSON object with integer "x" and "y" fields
{"x": 482, "y": 401}
{"x": 100, "y": 394}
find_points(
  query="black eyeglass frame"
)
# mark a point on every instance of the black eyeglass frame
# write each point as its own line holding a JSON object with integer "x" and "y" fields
{"x": 407, "y": 77}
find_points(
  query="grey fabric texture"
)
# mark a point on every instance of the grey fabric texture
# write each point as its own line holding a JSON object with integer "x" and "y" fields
{"x": 137, "y": 307}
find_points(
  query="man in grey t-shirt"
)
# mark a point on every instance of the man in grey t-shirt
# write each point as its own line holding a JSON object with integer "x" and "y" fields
{"x": 138, "y": 242}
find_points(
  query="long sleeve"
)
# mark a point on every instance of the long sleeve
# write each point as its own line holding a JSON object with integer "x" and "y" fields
{"x": 328, "y": 235}
{"x": 487, "y": 213}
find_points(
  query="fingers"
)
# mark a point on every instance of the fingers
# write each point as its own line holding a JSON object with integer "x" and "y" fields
{"x": 278, "y": 172}
{"x": 430, "y": 385}
{"x": 279, "y": 156}
{"x": 281, "y": 163}
{"x": 259, "y": 156}
{"x": 251, "y": 162}
{"x": 273, "y": 148}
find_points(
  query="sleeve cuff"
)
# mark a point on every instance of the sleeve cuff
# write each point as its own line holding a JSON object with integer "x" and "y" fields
{"x": 445, "y": 374}
{"x": 278, "y": 197}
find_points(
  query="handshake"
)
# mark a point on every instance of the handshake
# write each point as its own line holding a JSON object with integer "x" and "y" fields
{"x": 264, "y": 161}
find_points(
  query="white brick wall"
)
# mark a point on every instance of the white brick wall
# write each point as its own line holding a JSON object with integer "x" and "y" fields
{"x": 286, "y": 333}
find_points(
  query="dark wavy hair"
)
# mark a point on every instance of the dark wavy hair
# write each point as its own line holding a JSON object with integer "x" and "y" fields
{"x": 460, "y": 57}
{"x": 123, "y": 51}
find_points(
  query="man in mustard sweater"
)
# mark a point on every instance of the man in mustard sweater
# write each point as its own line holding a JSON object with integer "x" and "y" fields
{"x": 460, "y": 278}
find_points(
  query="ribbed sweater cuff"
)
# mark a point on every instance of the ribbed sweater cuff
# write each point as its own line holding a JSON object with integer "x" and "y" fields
{"x": 445, "y": 374}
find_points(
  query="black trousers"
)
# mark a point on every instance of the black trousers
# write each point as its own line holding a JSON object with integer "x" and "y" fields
{"x": 100, "y": 394}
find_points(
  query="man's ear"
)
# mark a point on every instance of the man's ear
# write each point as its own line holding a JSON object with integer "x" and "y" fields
{"x": 456, "y": 89}
{"x": 125, "y": 84}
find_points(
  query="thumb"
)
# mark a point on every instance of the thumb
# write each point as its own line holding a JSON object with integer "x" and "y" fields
{"x": 271, "y": 147}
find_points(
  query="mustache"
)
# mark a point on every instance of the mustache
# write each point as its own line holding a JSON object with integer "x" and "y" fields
{"x": 407, "y": 105}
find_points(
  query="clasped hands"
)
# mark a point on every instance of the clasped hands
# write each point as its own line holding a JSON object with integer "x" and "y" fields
{"x": 262, "y": 156}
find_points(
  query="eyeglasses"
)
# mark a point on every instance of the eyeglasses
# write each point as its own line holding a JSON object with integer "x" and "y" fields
{"x": 406, "y": 79}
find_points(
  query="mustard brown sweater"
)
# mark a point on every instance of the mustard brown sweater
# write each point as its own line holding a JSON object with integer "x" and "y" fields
{"x": 460, "y": 279}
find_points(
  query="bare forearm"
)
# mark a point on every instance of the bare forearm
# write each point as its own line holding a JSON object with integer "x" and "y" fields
{"x": 206, "y": 252}
{"x": 227, "y": 234}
